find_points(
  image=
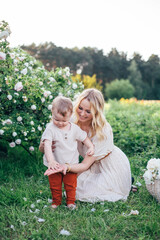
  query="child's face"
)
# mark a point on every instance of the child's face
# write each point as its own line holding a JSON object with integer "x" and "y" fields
{"x": 59, "y": 120}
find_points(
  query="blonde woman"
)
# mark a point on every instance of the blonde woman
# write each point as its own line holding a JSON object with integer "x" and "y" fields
{"x": 105, "y": 176}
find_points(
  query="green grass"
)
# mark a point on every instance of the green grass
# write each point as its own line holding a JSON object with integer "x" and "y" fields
{"x": 22, "y": 179}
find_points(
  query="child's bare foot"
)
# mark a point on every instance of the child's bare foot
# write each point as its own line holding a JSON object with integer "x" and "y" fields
{"x": 71, "y": 206}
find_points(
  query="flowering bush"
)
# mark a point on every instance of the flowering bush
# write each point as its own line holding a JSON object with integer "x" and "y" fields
{"x": 26, "y": 93}
{"x": 153, "y": 171}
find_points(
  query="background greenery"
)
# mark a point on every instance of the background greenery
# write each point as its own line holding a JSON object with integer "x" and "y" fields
{"x": 143, "y": 75}
{"x": 136, "y": 131}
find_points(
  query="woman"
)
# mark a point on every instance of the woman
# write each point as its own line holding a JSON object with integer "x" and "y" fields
{"x": 105, "y": 176}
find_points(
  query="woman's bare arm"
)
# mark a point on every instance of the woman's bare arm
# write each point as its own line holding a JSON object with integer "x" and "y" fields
{"x": 83, "y": 166}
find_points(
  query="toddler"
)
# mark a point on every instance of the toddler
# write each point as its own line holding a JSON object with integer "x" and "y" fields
{"x": 65, "y": 134}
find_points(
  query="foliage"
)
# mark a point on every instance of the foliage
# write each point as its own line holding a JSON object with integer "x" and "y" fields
{"x": 88, "y": 82}
{"x": 144, "y": 75}
{"x": 26, "y": 92}
{"x": 119, "y": 89}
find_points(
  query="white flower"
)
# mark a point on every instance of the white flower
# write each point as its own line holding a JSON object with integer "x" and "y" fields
{"x": 2, "y": 56}
{"x": 12, "y": 227}
{"x": 74, "y": 86}
{"x": 49, "y": 107}
{"x": 24, "y": 223}
{"x": 8, "y": 121}
{"x": 33, "y": 107}
{"x": 4, "y": 34}
{"x": 1, "y": 132}
{"x": 9, "y": 97}
{"x": 31, "y": 149}
{"x": 18, "y": 87}
{"x": 40, "y": 220}
{"x": 19, "y": 119}
{"x": 39, "y": 128}
{"x": 14, "y": 134}
{"x": 24, "y": 98}
{"x": 134, "y": 212}
{"x": 26, "y": 64}
{"x": 24, "y": 71}
{"x": 18, "y": 141}
{"x": 52, "y": 79}
{"x": 42, "y": 100}
{"x": 12, "y": 144}
{"x": 46, "y": 93}
{"x": 64, "y": 232}
{"x": 33, "y": 129}
{"x": 31, "y": 122}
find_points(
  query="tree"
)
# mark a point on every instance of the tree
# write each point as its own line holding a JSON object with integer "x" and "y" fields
{"x": 119, "y": 89}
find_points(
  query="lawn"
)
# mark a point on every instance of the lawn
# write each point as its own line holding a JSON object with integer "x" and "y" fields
{"x": 25, "y": 195}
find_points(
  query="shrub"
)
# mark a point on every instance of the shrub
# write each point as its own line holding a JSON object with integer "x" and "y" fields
{"x": 26, "y": 93}
{"x": 118, "y": 89}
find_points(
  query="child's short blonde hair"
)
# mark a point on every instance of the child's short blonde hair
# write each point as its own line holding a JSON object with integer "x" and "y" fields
{"x": 63, "y": 105}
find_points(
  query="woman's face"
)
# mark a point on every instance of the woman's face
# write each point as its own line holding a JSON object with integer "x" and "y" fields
{"x": 84, "y": 111}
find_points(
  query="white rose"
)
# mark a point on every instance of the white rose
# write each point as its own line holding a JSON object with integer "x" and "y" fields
{"x": 19, "y": 119}
{"x": 42, "y": 100}
{"x": 18, "y": 87}
{"x": 31, "y": 149}
{"x": 39, "y": 128}
{"x": 14, "y": 134}
{"x": 12, "y": 144}
{"x": 9, "y": 97}
{"x": 1, "y": 132}
{"x": 147, "y": 177}
{"x": 2, "y": 56}
{"x": 32, "y": 123}
{"x": 18, "y": 141}
{"x": 49, "y": 107}
{"x": 33, "y": 107}
{"x": 74, "y": 85}
{"x": 46, "y": 93}
{"x": 24, "y": 71}
{"x": 8, "y": 121}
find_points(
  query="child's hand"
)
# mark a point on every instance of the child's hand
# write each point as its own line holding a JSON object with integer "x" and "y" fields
{"x": 90, "y": 151}
{"x": 53, "y": 165}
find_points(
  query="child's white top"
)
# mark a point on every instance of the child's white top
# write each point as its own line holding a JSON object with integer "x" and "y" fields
{"x": 66, "y": 150}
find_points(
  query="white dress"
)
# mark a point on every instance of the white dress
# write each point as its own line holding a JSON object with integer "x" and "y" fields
{"x": 108, "y": 179}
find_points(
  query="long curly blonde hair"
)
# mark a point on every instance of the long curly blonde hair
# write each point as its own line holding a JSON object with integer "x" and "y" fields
{"x": 96, "y": 100}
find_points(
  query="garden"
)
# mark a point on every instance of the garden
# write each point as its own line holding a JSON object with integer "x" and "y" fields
{"x": 26, "y": 91}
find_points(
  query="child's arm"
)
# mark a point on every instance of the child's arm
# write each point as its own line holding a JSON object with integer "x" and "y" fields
{"x": 90, "y": 146}
{"x": 52, "y": 164}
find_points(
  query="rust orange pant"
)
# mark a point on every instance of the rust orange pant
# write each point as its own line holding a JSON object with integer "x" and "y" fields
{"x": 70, "y": 184}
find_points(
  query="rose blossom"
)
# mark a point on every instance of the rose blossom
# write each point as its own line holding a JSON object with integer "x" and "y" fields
{"x": 33, "y": 107}
{"x": 31, "y": 149}
{"x": 24, "y": 71}
{"x": 19, "y": 119}
{"x": 9, "y": 97}
{"x": 1, "y": 132}
{"x": 2, "y": 56}
{"x": 14, "y": 134}
{"x": 18, "y": 141}
{"x": 12, "y": 144}
{"x": 18, "y": 87}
